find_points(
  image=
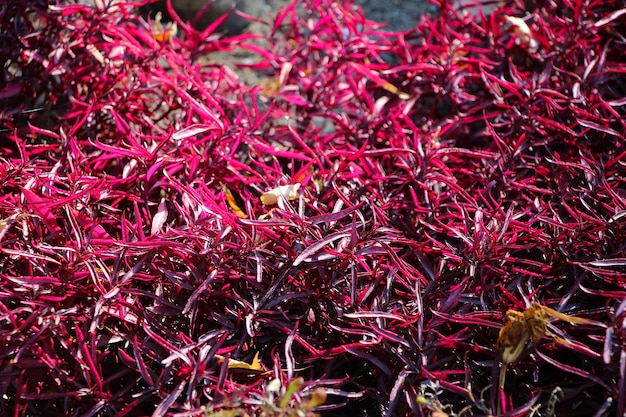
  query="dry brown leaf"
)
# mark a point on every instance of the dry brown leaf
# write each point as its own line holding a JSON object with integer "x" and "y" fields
{"x": 520, "y": 327}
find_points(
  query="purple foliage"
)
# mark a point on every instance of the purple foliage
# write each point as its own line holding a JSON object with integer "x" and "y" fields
{"x": 447, "y": 175}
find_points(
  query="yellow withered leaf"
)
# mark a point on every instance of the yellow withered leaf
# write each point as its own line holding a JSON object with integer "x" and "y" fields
{"x": 290, "y": 192}
{"x": 255, "y": 366}
{"x": 318, "y": 397}
{"x": 235, "y": 202}
{"x": 564, "y": 317}
{"x": 394, "y": 90}
{"x": 163, "y": 32}
{"x": 3, "y": 224}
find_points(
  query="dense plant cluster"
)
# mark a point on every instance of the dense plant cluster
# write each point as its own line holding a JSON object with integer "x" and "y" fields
{"x": 362, "y": 220}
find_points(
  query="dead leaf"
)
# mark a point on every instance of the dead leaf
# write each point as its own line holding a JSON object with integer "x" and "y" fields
{"x": 520, "y": 327}
{"x": 163, "y": 32}
{"x": 523, "y": 33}
{"x": 255, "y": 366}
{"x": 318, "y": 397}
{"x": 235, "y": 202}
{"x": 289, "y": 192}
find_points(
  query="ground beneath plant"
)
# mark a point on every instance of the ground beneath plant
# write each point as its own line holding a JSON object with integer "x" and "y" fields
{"x": 397, "y": 15}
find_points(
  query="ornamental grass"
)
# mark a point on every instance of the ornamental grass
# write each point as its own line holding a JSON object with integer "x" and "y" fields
{"x": 420, "y": 223}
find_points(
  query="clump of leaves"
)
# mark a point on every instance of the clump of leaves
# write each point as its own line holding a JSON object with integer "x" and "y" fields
{"x": 364, "y": 220}
{"x": 278, "y": 402}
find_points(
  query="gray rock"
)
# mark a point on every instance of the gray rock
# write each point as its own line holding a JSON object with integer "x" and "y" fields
{"x": 397, "y": 14}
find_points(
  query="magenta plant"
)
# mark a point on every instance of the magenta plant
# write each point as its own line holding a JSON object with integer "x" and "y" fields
{"x": 446, "y": 175}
